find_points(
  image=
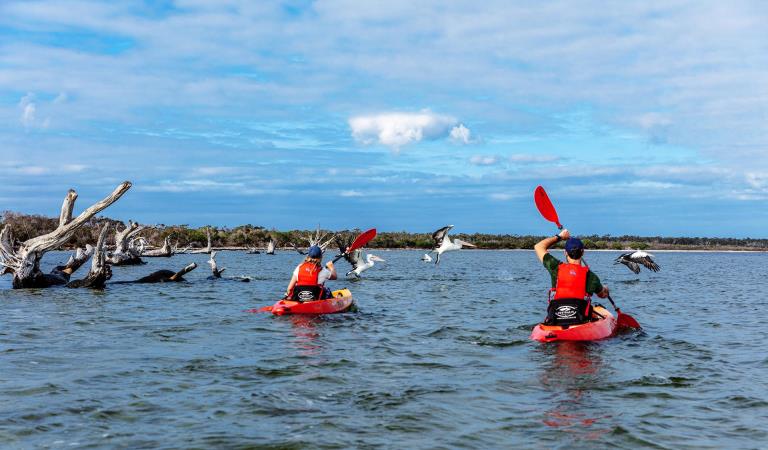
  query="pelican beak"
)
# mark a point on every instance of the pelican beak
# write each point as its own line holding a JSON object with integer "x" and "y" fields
{"x": 376, "y": 258}
{"x": 467, "y": 244}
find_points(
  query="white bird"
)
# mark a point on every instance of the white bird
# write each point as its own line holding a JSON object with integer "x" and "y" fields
{"x": 633, "y": 261}
{"x": 360, "y": 264}
{"x": 443, "y": 242}
{"x": 426, "y": 258}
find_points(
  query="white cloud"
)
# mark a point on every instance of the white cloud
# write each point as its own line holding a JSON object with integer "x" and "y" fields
{"x": 484, "y": 160}
{"x": 351, "y": 193}
{"x": 526, "y": 159}
{"x": 28, "y": 109}
{"x": 460, "y": 134}
{"x": 502, "y": 197}
{"x": 396, "y": 130}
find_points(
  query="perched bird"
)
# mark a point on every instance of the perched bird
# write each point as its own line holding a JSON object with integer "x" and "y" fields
{"x": 633, "y": 261}
{"x": 443, "y": 243}
{"x": 426, "y": 258}
{"x": 360, "y": 263}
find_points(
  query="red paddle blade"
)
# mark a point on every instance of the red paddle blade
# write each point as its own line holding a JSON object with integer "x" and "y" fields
{"x": 625, "y": 320}
{"x": 260, "y": 310}
{"x": 545, "y": 206}
{"x": 363, "y": 239}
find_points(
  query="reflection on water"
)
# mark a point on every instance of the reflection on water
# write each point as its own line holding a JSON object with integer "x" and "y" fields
{"x": 573, "y": 368}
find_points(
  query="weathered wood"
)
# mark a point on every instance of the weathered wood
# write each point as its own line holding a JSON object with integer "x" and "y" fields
{"x": 163, "y": 252}
{"x": 214, "y": 268}
{"x": 271, "y": 247}
{"x": 162, "y": 276}
{"x": 208, "y": 248}
{"x": 124, "y": 254}
{"x": 24, "y": 261}
{"x": 100, "y": 270}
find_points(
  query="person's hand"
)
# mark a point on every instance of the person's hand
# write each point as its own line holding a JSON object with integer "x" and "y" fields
{"x": 565, "y": 234}
{"x": 329, "y": 265}
{"x": 604, "y": 293}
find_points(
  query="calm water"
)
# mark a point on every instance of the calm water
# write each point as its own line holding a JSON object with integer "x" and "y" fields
{"x": 436, "y": 357}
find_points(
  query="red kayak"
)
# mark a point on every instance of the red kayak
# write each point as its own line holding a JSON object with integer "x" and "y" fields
{"x": 341, "y": 302}
{"x": 603, "y": 327}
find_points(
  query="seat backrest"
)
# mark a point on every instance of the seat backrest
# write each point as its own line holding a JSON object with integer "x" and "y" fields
{"x": 306, "y": 293}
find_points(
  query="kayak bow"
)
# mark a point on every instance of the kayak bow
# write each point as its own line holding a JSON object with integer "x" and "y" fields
{"x": 602, "y": 328}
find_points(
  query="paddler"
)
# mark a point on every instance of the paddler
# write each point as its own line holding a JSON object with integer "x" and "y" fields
{"x": 572, "y": 281}
{"x": 309, "y": 277}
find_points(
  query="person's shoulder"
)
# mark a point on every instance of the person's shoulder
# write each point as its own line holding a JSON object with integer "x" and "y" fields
{"x": 549, "y": 259}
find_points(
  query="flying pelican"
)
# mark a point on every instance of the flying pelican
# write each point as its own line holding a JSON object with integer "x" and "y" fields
{"x": 426, "y": 258}
{"x": 633, "y": 261}
{"x": 360, "y": 264}
{"x": 443, "y": 242}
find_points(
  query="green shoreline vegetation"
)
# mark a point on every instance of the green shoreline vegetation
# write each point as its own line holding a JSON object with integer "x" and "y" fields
{"x": 26, "y": 226}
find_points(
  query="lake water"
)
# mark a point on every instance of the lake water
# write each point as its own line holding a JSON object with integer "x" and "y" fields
{"x": 437, "y": 357}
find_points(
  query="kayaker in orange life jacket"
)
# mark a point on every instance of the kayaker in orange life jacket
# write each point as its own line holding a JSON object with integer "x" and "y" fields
{"x": 572, "y": 281}
{"x": 309, "y": 277}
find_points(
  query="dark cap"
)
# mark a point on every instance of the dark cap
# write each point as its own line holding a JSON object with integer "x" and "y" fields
{"x": 573, "y": 244}
{"x": 315, "y": 252}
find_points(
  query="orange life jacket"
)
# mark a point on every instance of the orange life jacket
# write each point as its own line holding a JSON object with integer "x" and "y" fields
{"x": 308, "y": 274}
{"x": 571, "y": 281}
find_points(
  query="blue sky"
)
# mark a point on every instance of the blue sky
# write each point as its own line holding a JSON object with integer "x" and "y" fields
{"x": 643, "y": 118}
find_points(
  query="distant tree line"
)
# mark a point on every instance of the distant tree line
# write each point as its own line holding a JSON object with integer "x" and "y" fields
{"x": 25, "y": 226}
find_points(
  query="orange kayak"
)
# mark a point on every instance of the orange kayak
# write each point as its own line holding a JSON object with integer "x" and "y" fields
{"x": 603, "y": 327}
{"x": 341, "y": 302}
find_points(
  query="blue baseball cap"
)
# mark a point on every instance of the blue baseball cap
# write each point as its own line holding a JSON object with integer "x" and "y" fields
{"x": 573, "y": 244}
{"x": 315, "y": 252}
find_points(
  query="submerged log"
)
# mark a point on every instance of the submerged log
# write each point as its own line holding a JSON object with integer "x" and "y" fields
{"x": 23, "y": 260}
{"x": 125, "y": 254}
{"x": 162, "y": 276}
{"x": 100, "y": 270}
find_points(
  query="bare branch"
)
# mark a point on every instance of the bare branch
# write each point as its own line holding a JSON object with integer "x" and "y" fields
{"x": 66, "y": 208}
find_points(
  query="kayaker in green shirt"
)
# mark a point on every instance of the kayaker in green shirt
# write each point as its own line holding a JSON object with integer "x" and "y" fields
{"x": 572, "y": 281}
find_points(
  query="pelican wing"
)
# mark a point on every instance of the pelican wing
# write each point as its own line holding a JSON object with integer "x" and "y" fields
{"x": 645, "y": 259}
{"x": 356, "y": 258}
{"x": 439, "y": 235}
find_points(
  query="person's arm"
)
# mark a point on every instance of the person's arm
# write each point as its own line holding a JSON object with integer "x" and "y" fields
{"x": 546, "y": 243}
{"x": 604, "y": 292}
{"x": 291, "y": 284}
{"x": 595, "y": 286}
{"x": 329, "y": 265}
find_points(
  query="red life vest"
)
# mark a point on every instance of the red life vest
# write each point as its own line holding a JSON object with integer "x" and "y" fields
{"x": 571, "y": 281}
{"x": 308, "y": 274}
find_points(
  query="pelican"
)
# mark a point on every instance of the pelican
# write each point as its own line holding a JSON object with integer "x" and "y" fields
{"x": 426, "y": 258}
{"x": 359, "y": 265}
{"x": 443, "y": 242}
{"x": 633, "y": 261}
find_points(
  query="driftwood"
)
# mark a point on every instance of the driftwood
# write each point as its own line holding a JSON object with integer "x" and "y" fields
{"x": 271, "y": 247}
{"x": 162, "y": 276}
{"x": 23, "y": 260}
{"x": 163, "y": 252}
{"x": 208, "y": 248}
{"x": 300, "y": 251}
{"x": 126, "y": 254}
{"x": 100, "y": 270}
{"x": 252, "y": 251}
{"x": 216, "y": 272}
{"x": 214, "y": 268}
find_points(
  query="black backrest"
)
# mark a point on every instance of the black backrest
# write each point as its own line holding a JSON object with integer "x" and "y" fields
{"x": 306, "y": 293}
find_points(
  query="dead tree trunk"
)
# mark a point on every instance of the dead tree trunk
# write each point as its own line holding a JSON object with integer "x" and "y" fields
{"x": 271, "y": 247}
{"x": 125, "y": 254}
{"x": 208, "y": 248}
{"x": 165, "y": 251}
{"x": 24, "y": 260}
{"x": 214, "y": 268}
{"x": 100, "y": 270}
